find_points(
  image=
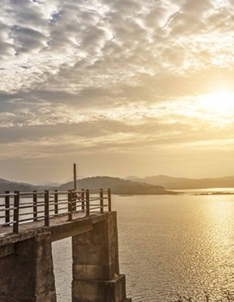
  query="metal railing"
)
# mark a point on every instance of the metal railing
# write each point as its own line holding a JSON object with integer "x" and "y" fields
{"x": 24, "y": 207}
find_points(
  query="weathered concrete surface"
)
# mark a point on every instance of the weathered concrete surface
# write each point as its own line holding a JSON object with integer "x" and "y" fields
{"x": 95, "y": 253}
{"x": 27, "y": 275}
{"x": 59, "y": 227}
{"x": 100, "y": 290}
{"x": 96, "y": 264}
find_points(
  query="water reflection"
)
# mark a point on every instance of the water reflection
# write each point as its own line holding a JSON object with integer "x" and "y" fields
{"x": 179, "y": 244}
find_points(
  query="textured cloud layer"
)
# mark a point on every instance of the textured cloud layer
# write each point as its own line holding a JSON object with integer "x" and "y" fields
{"x": 116, "y": 76}
{"x": 69, "y": 46}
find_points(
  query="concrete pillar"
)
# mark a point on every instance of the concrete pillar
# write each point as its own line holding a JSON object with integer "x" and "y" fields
{"x": 26, "y": 274}
{"x": 96, "y": 275}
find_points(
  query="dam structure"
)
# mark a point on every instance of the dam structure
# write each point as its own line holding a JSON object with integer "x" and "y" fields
{"x": 31, "y": 221}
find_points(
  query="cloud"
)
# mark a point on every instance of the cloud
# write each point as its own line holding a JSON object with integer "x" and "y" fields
{"x": 111, "y": 76}
{"x": 106, "y": 44}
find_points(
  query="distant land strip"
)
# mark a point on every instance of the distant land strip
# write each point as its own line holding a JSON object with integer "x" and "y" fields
{"x": 132, "y": 185}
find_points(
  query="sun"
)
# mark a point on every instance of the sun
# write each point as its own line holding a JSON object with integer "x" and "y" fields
{"x": 219, "y": 102}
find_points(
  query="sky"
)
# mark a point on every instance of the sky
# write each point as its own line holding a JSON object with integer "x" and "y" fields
{"x": 119, "y": 87}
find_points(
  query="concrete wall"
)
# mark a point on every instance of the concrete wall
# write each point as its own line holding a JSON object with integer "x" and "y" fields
{"x": 96, "y": 264}
{"x": 27, "y": 274}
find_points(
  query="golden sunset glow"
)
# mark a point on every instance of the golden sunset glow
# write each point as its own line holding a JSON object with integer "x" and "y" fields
{"x": 126, "y": 87}
{"x": 220, "y": 102}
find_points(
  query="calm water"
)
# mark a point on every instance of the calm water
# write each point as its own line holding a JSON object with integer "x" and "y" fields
{"x": 168, "y": 245}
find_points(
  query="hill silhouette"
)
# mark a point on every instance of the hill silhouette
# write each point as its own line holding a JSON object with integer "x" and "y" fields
{"x": 132, "y": 185}
{"x": 7, "y": 185}
{"x": 117, "y": 186}
{"x": 180, "y": 183}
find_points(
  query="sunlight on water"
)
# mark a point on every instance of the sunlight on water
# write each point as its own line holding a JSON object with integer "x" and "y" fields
{"x": 168, "y": 245}
{"x": 180, "y": 244}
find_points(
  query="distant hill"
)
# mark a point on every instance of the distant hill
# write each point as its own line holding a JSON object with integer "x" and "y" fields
{"x": 7, "y": 185}
{"x": 132, "y": 185}
{"x": 180, "y": 183}
{"x": 117, "y": 186}
{"x": 48, "y": 184}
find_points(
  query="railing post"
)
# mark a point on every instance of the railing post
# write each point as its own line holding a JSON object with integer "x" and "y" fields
{"x": 55, "y": 201}
{"x": 16, "y": 212}
{"x": 87, "y": 203}
{"x": 46, "y": 204}
{"x": 69, "y": 199}
{"x": 35, "y": 205}
{"x": 101, "y": 201}
{"x": 73, "y": 201}
{"x": 7, "y": 206}
{"x": 74, "y": 177}
{"x": 109, "y": 200}
{"x": 82, "y": 200}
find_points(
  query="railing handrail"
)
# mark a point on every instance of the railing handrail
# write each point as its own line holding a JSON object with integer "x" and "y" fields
{"x": 50, "y": 204}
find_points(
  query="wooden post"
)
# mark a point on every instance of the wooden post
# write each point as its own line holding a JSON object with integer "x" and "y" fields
{"x": 73, "y": 195}
{"x": 73, "y": 201}
{"x": 47, "y": 211}
{"x": 69, "y": 198}
{"x": 55, "y": 201}
{"x": 87, "y": 203}
{"x": 74, "y": 177}
{"x": 35, "y": 205}
{"x": 109, "y": 200}
{"x": 16, "y": 212}
{"x": 82, "y": 200}
{"x": 7, "y": 206}
{"x": 101, "y": 201}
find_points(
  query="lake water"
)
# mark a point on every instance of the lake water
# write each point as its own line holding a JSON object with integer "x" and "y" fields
{"x": 168, "y": 245}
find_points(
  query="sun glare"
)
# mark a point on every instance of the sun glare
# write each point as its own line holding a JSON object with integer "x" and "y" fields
{"x": 220, "y": 102}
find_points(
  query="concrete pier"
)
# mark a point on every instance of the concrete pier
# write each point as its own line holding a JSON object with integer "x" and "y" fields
{"x": 26, "y": 264}
{"x": 96, "y": 274}
{"x": 26, "y": 271}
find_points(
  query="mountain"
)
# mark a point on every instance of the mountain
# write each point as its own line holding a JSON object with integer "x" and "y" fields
{"x": 133, "y": 178}
{"x": 133, "y": 185}
{"x": 180, "y": 183}
{"x": 117, "y": 186}
{"x": 49, "y": 184}
{"x": 7, "y": 185}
